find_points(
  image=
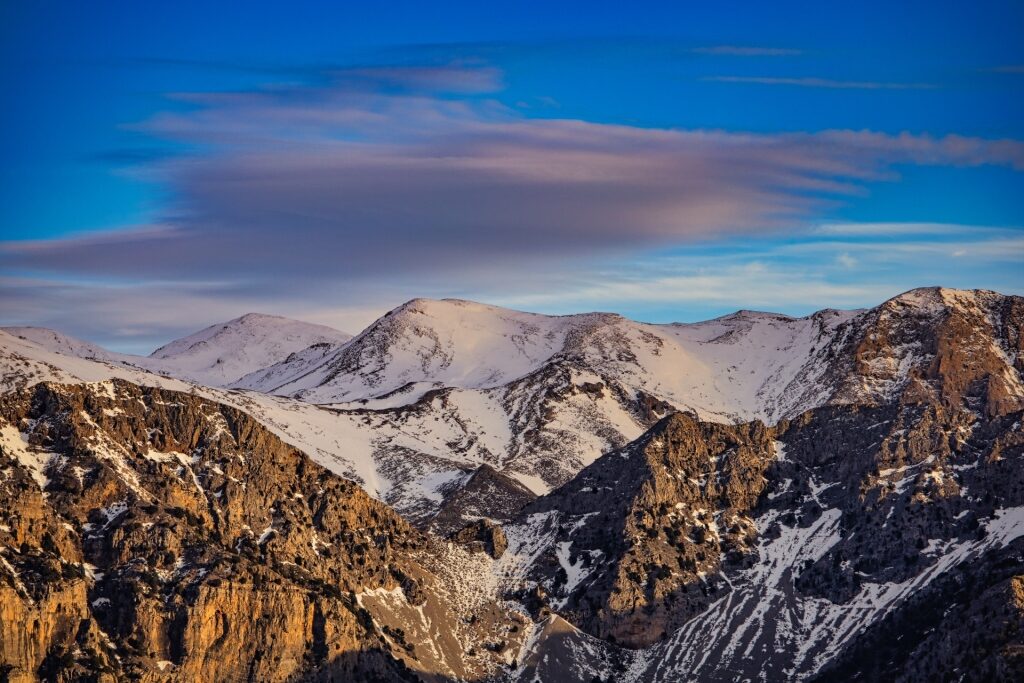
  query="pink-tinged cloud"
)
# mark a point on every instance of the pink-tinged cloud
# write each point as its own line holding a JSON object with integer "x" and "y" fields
{"x": 746, "y": 51}
{"x": 339, "y": 183}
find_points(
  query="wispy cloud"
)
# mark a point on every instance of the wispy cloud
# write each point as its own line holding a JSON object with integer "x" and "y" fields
{"x": 813, "y": 82}
{"x": 797, "y": 275}
{"x": 905, "y": 229}
{"x": 1008, "y": 69}
{"x": 747, "y": 51}
{"x": 725, "y": 289}
{"x": 347, "y": 189}
{"x": 386, "y": 168}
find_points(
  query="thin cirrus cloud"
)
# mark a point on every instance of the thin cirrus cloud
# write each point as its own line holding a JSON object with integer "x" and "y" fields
{"x": 813, "y": 82}
{"x": 747, "y": 51}
{"x": 830, "y": 266}
{"x": 422, "y": 178}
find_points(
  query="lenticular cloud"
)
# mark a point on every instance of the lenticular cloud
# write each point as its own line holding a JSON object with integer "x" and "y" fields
{"x": 424, "y": 169}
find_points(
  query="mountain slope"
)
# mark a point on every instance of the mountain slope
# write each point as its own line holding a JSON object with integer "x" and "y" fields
{"x": 632, "y": 537}
{"x": 154, "y": 535}
{"x": 222, "y": 353}
{"x": 599, "y": 381}
{"x": 785, "y": 553}
{"x": 214, "y": 356}
{"x": 58, "y": 342}
{"x": 429, "y": 344}
{"x": 728, "y": 368}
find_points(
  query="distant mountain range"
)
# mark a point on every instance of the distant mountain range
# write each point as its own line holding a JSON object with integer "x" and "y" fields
{"x": 216, "y": 356}
{"x": 571, "y": 498}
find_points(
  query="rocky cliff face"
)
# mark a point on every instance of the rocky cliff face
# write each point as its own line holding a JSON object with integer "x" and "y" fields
{"x": 630, "y": 541}
{"x": 961, "y": 348}
{"x": 794, "y": 551}
{"x": 153, "y": 535}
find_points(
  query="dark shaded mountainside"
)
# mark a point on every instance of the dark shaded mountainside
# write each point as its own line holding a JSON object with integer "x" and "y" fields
{"x": 763, "y": 553}
{"x": 154, "y": 535}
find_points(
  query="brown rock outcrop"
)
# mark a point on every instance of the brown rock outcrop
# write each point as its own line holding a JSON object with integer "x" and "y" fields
{"x": 651, "y": 524}
{"x": 152, "y": 535}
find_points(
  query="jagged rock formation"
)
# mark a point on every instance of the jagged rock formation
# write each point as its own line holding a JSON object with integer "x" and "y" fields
{"x": 485, "y": 494}
{"x": 153, "y": 535}
{"x": 819, "y": 546}
{"x": 631, "y": 538}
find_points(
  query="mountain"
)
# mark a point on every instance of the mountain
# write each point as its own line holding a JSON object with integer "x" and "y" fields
{"x": 838, "y": 497}
{"x": 214, "y": 356}
{"x": 154, "y": 535}
{"x": 447, "y": 384}
{"x": 222, "y": 353}
{"x": 743, "y": 366}
{"x": 849, "y": 544}
{"x": 632, "y": 544}
{"x": 57, "y": 342}
{"x": 739, "y": 366}
{"x": 437, "y": 388}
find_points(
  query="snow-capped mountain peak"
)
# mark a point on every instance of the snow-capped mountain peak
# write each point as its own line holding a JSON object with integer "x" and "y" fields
{"x": 213, "y": 356}
{"x": 224, "y": 352}
{"x": 447, "y": 342}
{"x": 61, "y": 343}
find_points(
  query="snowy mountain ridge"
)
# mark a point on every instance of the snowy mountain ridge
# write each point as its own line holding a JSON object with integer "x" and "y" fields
{"x": 214, "y": 356}
{"x": 58, "y": 342}
{"x": 222, "y": 353}
{"x": 719, "y": 368}
{"x": 540, "y": 397}
{"x": 434, "y": 389}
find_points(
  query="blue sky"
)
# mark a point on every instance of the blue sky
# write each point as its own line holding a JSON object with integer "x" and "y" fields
{"x": 169, "y": 166}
